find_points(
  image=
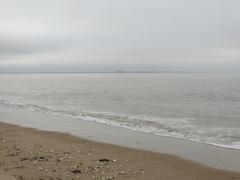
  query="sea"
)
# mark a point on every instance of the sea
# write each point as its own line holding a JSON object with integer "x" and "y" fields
{"x": 200, "y": 107}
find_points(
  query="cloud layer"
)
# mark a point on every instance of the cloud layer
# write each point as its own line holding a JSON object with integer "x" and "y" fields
{"x": 93, "y": 35}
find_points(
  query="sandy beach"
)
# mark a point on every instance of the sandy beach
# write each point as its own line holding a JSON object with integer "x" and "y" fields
{"x": 27, "y": 153}
{"x": 119, "y": 90}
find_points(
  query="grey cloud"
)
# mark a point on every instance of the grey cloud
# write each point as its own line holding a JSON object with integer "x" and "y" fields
{"x": 11, "y": 47}
{"x": 121, "y": 33}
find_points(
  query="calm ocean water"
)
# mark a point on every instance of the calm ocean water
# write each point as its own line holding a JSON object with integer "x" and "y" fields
{"x": 199, "y": 107}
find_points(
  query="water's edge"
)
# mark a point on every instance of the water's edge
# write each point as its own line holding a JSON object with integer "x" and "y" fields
{"x": 208, "y": 155}
{"x": 167, "y": 127}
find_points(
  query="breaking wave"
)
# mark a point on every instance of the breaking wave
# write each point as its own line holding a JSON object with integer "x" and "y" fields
{"x": 228, "y": 137}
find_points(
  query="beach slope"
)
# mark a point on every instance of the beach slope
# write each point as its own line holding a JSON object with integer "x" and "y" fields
{"x": 27, "y": 153}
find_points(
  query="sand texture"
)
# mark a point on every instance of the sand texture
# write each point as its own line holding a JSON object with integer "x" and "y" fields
{"x": 29, "y": 154}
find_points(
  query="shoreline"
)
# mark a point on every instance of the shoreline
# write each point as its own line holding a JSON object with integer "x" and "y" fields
{"x": 61, "y": 113}
{"x": 27, "y": 153}
{"x": 207, "y": 155}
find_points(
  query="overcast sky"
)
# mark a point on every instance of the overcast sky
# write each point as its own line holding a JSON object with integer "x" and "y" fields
{"x": 109, "y": 35}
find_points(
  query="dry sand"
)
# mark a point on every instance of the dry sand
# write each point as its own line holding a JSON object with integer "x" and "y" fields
{"x": 39, "y": 155}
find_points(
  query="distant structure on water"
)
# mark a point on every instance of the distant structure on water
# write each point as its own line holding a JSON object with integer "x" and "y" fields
{"x": 119, "y": 71}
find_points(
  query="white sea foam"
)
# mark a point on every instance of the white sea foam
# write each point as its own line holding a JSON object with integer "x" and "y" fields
{"x": 228, "y": 137}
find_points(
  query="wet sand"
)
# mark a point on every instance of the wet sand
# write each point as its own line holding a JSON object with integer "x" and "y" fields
{"x": 27, "y": 153}
{"x": 208, "y": 155}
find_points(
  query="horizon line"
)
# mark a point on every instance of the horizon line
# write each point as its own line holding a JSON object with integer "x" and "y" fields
{"x": 117, "y": 72}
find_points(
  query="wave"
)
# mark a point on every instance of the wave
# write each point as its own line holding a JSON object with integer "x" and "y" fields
{"x": 228, "y": 137}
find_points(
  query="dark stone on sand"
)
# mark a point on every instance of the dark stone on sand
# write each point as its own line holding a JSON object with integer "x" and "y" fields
{"x": 105, "y": 160}
{"x": 76, "y": 171}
